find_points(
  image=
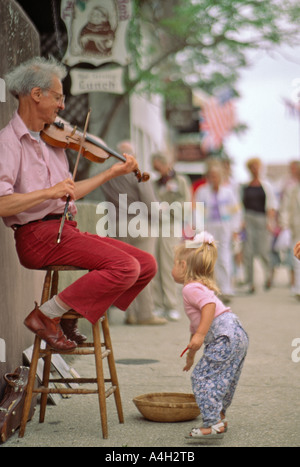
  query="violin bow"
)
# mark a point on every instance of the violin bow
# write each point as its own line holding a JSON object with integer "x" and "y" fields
{"x": 74, "y": 175}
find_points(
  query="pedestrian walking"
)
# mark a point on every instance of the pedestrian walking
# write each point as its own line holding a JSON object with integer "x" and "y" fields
{"x": 222, "y": 218}
{"x": 260, "y": 207}
{"x": 171, "y": 189}
{"x": 141, "y": 310}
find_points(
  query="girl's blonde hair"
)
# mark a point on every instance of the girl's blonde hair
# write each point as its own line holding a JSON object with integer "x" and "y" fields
{"x": 200, "y": 263}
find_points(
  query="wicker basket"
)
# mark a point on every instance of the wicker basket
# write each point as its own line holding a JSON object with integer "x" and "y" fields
{"x": 167, "y": 406}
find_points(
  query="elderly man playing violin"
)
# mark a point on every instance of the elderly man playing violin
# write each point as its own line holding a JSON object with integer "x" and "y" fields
{"x": 34, "y": 184}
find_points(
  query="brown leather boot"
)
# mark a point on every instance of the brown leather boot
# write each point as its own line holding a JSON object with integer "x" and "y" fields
{"x": 69, "y": 327}
{"x": 49, "y": 330}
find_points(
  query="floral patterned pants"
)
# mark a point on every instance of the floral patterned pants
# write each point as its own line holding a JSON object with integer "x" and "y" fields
{"x": 215, "y": 377}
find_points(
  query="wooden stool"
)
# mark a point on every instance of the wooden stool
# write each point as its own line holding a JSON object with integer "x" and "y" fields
{"x": 49, "y": 289}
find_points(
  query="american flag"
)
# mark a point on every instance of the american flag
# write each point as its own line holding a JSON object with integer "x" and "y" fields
{"x": 217, "y": 119}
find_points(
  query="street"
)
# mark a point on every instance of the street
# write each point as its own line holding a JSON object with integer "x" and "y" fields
{"x": 266, "y": 407}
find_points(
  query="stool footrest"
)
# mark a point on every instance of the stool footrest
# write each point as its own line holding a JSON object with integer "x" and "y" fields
{"x": 77, "y": 380}
{"x": 77, "y": 351}
{"x": 43, "y": 390}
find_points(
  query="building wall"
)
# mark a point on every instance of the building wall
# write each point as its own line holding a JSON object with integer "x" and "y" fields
{"x": 18, "y": 287}
{"x": 149, "y": 130}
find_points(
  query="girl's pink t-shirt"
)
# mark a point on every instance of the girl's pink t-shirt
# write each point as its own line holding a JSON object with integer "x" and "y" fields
{"x": 195, "y": 296}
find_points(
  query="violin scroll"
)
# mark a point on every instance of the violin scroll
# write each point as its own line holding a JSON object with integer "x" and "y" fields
{"x": 141, "y": 177}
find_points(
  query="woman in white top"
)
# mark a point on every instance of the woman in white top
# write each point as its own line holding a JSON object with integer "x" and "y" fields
{"x": 222, "y": 217}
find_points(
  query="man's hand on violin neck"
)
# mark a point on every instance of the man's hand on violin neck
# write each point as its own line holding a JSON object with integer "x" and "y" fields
{"x": 130, "y": 165}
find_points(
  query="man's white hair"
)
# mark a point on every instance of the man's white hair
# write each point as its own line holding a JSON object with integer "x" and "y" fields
{"x": 36, "y": 72}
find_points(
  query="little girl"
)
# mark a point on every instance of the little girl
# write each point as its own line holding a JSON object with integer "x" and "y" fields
{"x": 215, "y": 377}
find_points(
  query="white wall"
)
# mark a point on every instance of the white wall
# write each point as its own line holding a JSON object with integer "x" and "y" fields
{"x": 149, "y": 130}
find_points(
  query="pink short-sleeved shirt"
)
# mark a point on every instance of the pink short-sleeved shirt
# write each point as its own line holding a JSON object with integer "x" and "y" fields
{"x": 28, "y": 165}
{"x": 195, "y": 297}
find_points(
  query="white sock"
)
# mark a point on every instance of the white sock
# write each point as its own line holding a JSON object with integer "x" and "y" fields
{"x": 52, "y": 309}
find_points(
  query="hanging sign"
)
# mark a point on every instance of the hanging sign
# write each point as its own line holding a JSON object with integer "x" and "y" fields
{"x": 96, "y": 31}
{"x": 86, "y": 81}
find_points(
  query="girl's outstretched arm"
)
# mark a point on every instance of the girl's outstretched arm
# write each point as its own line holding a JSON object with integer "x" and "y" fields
{"x": 197, "y": 339}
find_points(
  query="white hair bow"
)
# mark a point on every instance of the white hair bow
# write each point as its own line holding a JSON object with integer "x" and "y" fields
{"x": 199, "y": 239}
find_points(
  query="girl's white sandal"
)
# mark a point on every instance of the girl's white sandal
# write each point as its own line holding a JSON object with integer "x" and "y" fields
{"x": 215, "y": 432}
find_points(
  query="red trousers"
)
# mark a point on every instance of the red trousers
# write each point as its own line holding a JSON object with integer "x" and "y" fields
{"x": 118, "y": 271}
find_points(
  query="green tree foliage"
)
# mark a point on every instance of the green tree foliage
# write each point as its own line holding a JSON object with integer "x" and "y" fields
{"x": 203, "y": 43}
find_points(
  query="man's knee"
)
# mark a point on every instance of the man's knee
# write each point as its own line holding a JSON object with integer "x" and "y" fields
{"x": 130, "y": 271}
{"x": 151, "y": 265}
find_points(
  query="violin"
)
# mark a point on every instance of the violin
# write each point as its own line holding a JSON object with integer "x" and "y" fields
{"x": 62, "y": 134}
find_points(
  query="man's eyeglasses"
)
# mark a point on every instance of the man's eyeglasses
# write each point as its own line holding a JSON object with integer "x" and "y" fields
{"x": 60, "y": 98}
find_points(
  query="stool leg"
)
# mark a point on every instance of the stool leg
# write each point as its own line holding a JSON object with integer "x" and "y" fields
{"x": 34, "y": 362}
{"x": 46, "y": 287}
{"x": 54, "y": 285}
{"x": 112, "y": 368}
{"x": 100, "y": 379}
{"x": 49, "y": 289}
{"x": 30, "y": 385}
{"x": 45, "y": 383}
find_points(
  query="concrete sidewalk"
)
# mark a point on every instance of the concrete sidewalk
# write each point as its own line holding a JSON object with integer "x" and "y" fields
{"x": 265, "y": 410}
